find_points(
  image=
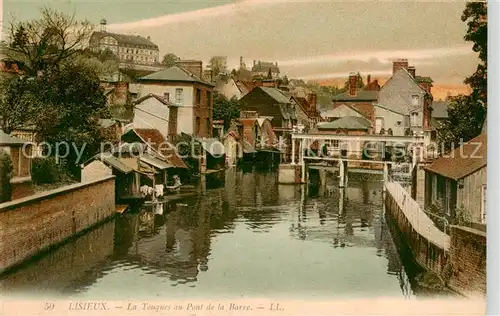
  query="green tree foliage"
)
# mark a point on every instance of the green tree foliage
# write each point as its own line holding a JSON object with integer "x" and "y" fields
{"x": 169, "y": 60}
{"x": 5, "y": 176}
{"x": 43, "y": 44}
{"x": 465, "y": 120}
{"x": 225, "y": 110}
{"x": 218, "y": 64}
{"x": 44, "y": 171}
{"x": 475, "y": 14}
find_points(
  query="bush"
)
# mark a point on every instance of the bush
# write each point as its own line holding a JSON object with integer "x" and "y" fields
{"x": 5, "y": 175}
{"x": 45, "y": 171}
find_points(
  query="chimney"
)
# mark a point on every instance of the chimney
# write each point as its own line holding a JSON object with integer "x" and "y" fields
{"x": 254, "y": 63}
{"x": 149, "y": 38}
{"x": 368, "y": 80}
{"x": 241, "y": 61}
{"x": 411, "y": 70}
{"x": 353, "y": 83}
{"x": 427, "y": 113}
{"x": 398, "y": 64}
{"x": 193, "y": 66}
{"x": 276, "y": 64}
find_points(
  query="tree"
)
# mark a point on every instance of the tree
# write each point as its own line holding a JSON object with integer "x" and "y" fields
{"x": 5, "y": 176}
{"x": 475, "y": 14}
{"x": 41, "y": 45}
{"x": 465, "y": 120}
{"x": 360, "y": 83}
{"x": 225, "y": 110}
{"x": 218, "y": 64}
{"x": 169, "y": 60}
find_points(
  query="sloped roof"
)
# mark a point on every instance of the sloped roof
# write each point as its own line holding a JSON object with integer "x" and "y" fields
{"x": 440, "y": 109}
{"x": 174, "y": 73}
{"x": 276, "y": 94}
{"x": 155, "y": 139}
{"x": 347, "y": 122}
{"x": 6, "y": 139}
{"x": 126, "y": 39}
{"x": 155, "y": 162}
{"x": 113, "y": 162}
{"x": 387, "y": 108}
{"x": 157, "y": 97}
{"x": 462, "y": 161}
{"x": 361, "y": 95}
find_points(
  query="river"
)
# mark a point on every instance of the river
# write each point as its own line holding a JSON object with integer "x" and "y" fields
{"x": 246, "y": 236}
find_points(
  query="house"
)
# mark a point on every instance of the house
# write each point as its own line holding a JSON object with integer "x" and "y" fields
{"x": 130, "y": 174}
{"x": 226, "y": 86}
{"x": 458, "y": 180}
{"x": 307, "y": 112}
{"x": 154, "y": 111}
{"x": 271, "y": 102}
{"x": 155, "y": 144}
{"x": 340, "y": 111}
{"x": 439, "y": 113}
{"x": 265, "y": 69}
{"x": 359, "y": 99}
{"x": 390, "y": 121}
{"x": 20, "y": 152}
{"x": 232, "y": 146}
{"x": 348, "y": 125}
{"x": 133, "y": 49}
{"x": 192, "y": 95}
{"x": 407, "y": 94}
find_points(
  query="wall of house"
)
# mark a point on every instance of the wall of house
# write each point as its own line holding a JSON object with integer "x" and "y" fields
{"x": 390, "y": 120}
{"x": 203, "y": 110}
{"x": 37, "y": 222}
{"x": 302, "y": 117}
{"x": 151, "y": 113}
{"x": 264, "y": 105}
{"x": 21, "y": 159}
{"x": 95, "y": 170}
{"x": 267, "y": 132}
{"x": 229, "y": 90}
{"x": 185, "y": 115}
{"x": 365, "y": 108}
{"x": 397, "y": 93}
{"x": 468, "y": 261}
{"x": 470, "y": 195}
{"x": 340, "y": 111}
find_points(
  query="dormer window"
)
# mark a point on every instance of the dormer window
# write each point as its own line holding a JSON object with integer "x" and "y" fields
{"x": 415, "y": 100}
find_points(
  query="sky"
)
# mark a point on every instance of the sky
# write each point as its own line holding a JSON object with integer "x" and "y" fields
{"x": 313, "y": 39}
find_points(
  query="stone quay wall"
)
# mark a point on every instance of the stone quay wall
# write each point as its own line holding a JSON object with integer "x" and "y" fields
{"x": 468, "y": 261}
{"x": 33, "y": 224}
{"x": 458, "y": 259}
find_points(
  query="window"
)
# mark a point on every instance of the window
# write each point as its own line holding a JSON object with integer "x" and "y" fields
{"x": 166, "y": 96}
{"x": 179, "y": 96}
{"x": 209, "y": 126}
{"x": 414, "y": 100}
{"x": 483, "y": 204}
{"x": 198, "y": 97}
{"x": 379, "y": 124}
{"x": 414, "y": 119}
{"x": 198, "y": 123}
{"x": 209, "y": 99}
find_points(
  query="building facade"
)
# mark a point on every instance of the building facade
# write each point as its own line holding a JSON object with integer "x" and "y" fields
{"x": 192, "y": 96}
{"x": 133, "y": 49}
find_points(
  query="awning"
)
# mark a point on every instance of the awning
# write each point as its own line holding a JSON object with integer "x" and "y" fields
{"x": 114, "y": 162}
{"x": 155, "y": 162}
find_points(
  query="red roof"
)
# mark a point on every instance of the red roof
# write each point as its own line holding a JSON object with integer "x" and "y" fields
{"x": 155, "y": 139}
{"x": 462, "y": 161}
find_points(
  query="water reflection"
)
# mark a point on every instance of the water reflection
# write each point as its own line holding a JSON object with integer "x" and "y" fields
{"x": 250, "y": 236}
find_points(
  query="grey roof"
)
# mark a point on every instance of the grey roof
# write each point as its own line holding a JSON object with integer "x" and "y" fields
{"x": 6, "y": 139}
{"x": 174, "y": 73}
{"x": 347, "y": 122}
{"x": 212, "y": 146}
{"x": 276, "y": 94}
{"x": 155, "y": 162}
{"x": 440, "y": 109}
{"x": 125, "y": 39}
{"x": 361, "y": 95}
{"x": 114, "y": 162}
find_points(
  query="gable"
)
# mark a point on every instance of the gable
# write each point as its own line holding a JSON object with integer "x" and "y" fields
{"x": 341, "y": 111}
{"x": 396, "y": 93}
